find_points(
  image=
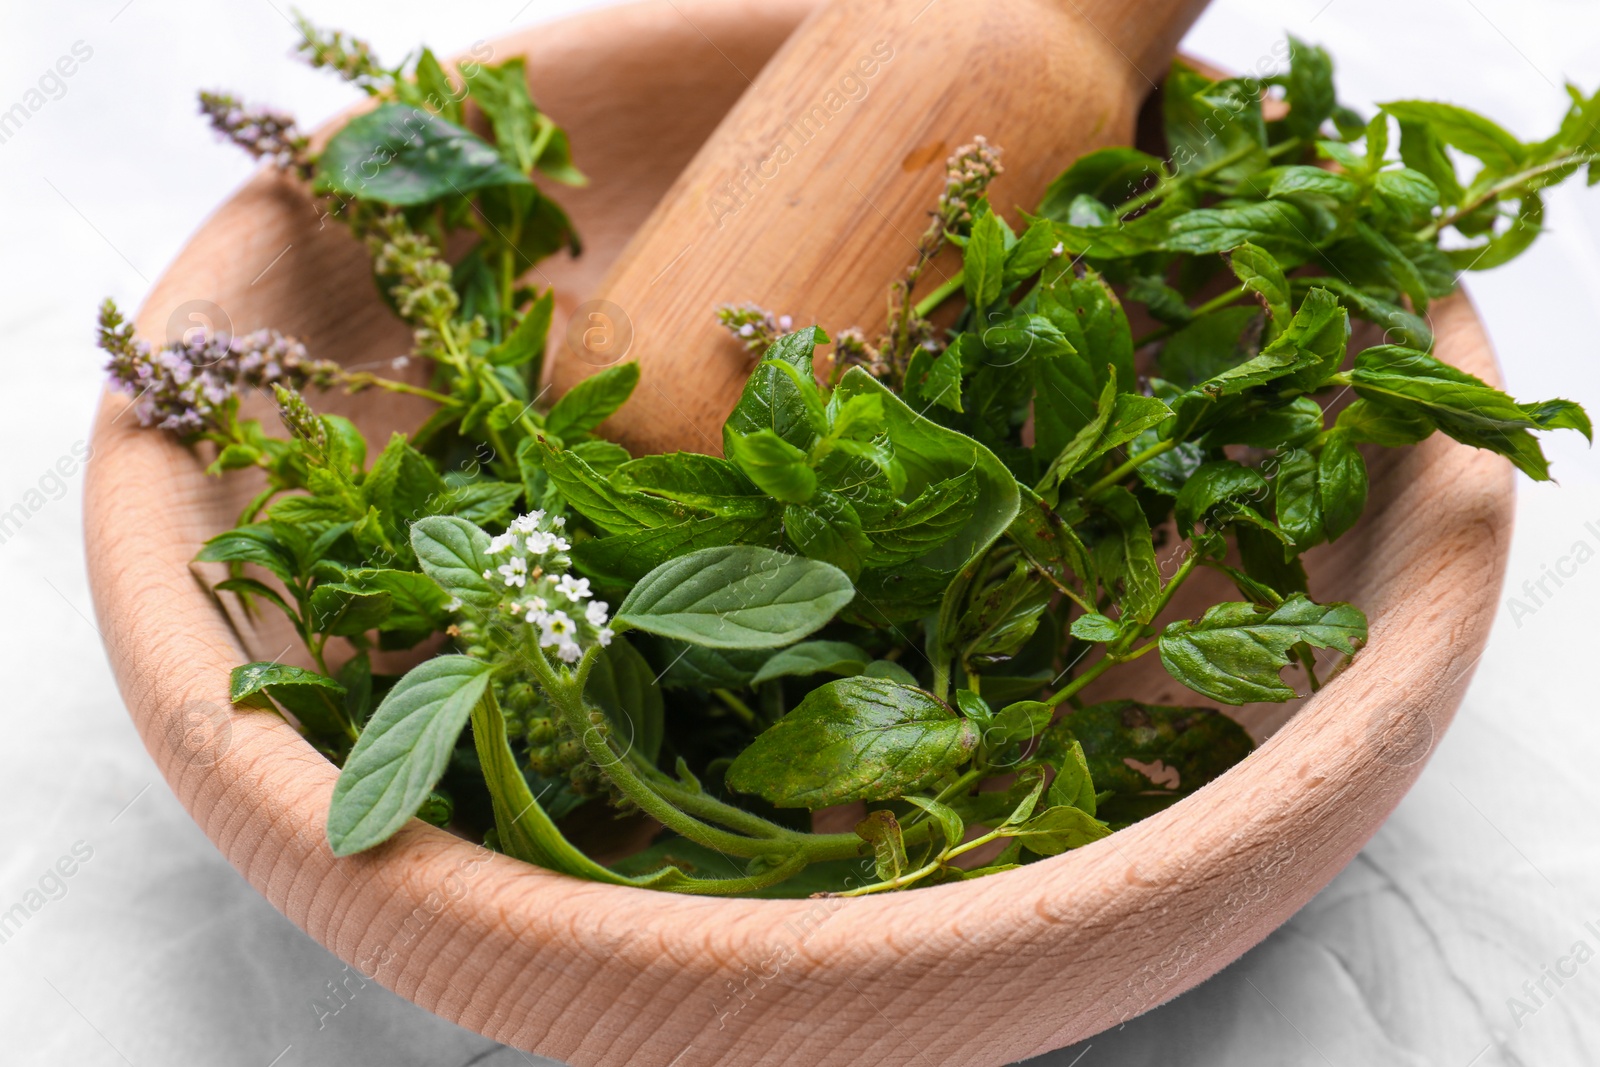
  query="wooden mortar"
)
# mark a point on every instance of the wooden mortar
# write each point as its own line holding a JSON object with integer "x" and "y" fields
{"x": 976, "y": 974}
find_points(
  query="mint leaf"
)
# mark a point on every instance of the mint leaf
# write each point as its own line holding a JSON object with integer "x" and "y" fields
{"x": 592, "y": 401}
{"x": 502, "y": 92}
{"x": 590, "y": 493}
{"x": 930, "y": 454}
{"x": 776, "y": 466}
{"x": 984, "y": 262}
{"x": 935, "y": 379}
{"x": 854, "y": 739}
{"x": 345, "y": 611}
{"x": 781, "y": 395}
{"x": 910, "y": 531}
{"x": 1408, "y": 193}
{"x": 1058, "y": 829}
{"x": 690, "y": 478}
{"x": 419, "y": 157}
{"x": 403, "y": 751}
{"x": 416, "y": 602}
{"x": 1073, "y": 786}
{"x": 1049, "y": 543}
{"x": 1375, "y": 423}
{"x": 1003, "y": 610}
{"x": 1090, "y": 318}
{"x": 1119, "y": 418}
{"x": 828, "y": 528}
{"x": 526, "y": 344}
{"x": 455, "y": 554}
{"x": 1095, "y": 627}
{"x": 1261, "y": 274}
{"x": 1275, "y": 225}
{"x": 1341, "y": 484}
{"x": 1467, "y": 130}
{"x": 1309, "y": 93}
{"x": 1209, "y": 345}
{"x": 316, "y": 700}
{"x": 1217, "y": 493}
{"x": 1031, "y": 252}
{"x": 1299, "y": 503}
{"x": 1287, "y": 425}
{"x": 256, "y": 543}
{"x": 1470, "y": 410}
{"x": 1208, "y": 121}
{"x": 738, "y": 596}
{"x": 814, "y": 657}
{"x": 1422, "y": 150}
{"x": 1021, "y": 721}
{"x": 1303, "y": 180}
{"x": 483, "y": 503}
{"x": 1234, "y": 652}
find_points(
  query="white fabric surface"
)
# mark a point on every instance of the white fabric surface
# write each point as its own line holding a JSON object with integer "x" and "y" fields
{"x": 154, "y": 951}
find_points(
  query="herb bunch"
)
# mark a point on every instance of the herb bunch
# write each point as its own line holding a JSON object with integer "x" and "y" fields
{"x": 891, "y": 591}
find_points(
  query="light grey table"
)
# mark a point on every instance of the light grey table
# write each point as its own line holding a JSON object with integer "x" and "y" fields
{"x": 154, "y": 951}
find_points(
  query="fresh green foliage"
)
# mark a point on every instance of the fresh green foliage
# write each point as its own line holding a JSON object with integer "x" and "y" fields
{"x": 1234, "y": 652}
{"x": 897, "y": 581}
{"x": 403, "y": 751}
{"x": 813, "y": 657}
{"x": 1147, "y": 756}
{"x": 738, "y": 596}
{"x": 403, "y": 155}
{"x": 854, "y": 739}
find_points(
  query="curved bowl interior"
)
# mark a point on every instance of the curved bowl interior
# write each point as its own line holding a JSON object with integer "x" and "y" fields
{"x": 596, "y": 974}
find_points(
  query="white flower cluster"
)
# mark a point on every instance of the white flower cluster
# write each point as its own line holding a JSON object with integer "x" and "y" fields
{"x": 531, "y": 566}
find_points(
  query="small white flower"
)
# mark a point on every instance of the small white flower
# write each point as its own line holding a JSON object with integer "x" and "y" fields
{"x": 604, "y": 636}
{"x": 453, "y": 604}
{"x": 556, "y": 628}
{"x": 1058, "y": 249}
{"x": 574, "y": 589}
{"x": 569, "y": 651}
{"x": 559, "y": 521}
{"x": 596, "y": 612}
{"x": 538, "y": 603}
{"x": 515, "y": 572}
{"x": 500, "y": 542}
{"x": 539, "y": 542}
{"x": 488, "y": 576}
{"x": 527, "y": 523}
{"x": 560, "y": 544}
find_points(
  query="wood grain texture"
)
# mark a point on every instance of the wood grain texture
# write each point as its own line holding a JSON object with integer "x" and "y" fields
{"x": 811, "y": 194}
{"x": 974, "y": 974}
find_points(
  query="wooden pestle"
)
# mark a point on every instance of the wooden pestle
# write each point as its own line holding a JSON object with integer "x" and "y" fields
{"x": 809, "y": 197}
